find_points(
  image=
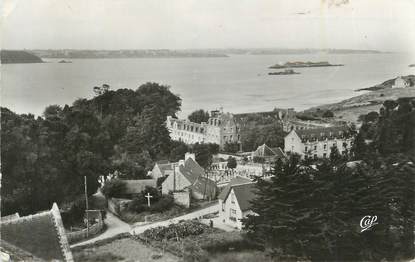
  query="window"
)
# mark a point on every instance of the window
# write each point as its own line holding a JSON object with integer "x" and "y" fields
{"x": 233, "y": 211}
{"x": 315, "y": 147}
{"x": 305, "y": 149}
{"x": 232, "y": 198}
{"x": 324, "y": 155}
{"x": 325, "y": 146}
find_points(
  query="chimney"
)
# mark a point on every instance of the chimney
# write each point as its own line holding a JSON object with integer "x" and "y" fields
{"x": 190, "y": 155}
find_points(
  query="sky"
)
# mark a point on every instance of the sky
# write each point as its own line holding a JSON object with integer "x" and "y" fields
{"x": 386, "y": 25}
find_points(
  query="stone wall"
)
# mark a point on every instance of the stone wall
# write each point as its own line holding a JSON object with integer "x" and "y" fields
{"x": 182, "y": 198}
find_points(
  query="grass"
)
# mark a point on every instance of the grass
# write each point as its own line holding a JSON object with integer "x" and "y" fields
{"x": 121, "y": 248}
{"x": 175, "y": 211}
{"x": 131, "y": 217}
{"x": 213, "y": 243}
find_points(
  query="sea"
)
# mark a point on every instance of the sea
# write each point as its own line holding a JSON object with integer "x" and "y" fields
{"x": 238, "y": 83}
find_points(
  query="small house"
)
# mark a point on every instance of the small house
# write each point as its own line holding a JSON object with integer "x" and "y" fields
{"x": 401, "y": 82}
{"x": 188, "y": 174}
{"x": 235, "y": 201}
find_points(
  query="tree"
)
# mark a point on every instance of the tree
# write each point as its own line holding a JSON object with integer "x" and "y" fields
{"x": 232, "y": 147}
{"x": 45, "y": 160}
{"x": 178, "y": 150}
{"x": 113, "y": 188}
{"x": 199, "y": 116}
{"x": 231, "y": 163}
{"x": 204, "y": 153}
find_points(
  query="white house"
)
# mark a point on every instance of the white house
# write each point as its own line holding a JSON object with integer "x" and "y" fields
{"x": 317, "y": 143}
{"x": 234, "y": 201}
{"x": 400, "y": 82}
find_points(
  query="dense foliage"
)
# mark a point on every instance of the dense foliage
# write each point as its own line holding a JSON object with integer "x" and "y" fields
{"x": 231, "y": 163}
{"x": 176, "y": 231}
{"x": 45, "y": 159}
{"x": 313, "y": 211}
{"x": 199, "y": 116}
{"x": 113, "y": 188}
{"x": 270, "y": 134}
{"x": 158, "y": 202}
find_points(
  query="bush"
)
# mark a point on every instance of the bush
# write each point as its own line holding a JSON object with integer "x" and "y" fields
{"x": 176, "y": 231}
{"x": 113, "y": 188}
{"x": 164, "y": 203}
{"x": 158, "y": 203}
{"x": 74, "y": 214}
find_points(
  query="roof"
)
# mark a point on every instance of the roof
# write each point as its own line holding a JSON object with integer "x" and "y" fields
{"x": 323, "y": 133}
{"x": 235, "y": 181}
{"x": 196, "y": 176}
{"x": 41, "y": 235}
{"x": 279, "y": 153}
{"x": 191, "y": 170}
{"x": 205, "y": 186}
{"x": 10, "y": 217}
{"x": 244, "y": 194}
{"x": 165, "y": 167}
{"x": 264, "y": 151}
{"x": 137, "y": 186}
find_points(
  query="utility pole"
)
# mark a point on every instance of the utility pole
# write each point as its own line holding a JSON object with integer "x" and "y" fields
{"x": 174, "y": 177}
{"x": 87, "y": 208}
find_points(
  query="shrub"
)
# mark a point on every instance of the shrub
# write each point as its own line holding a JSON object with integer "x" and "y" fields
{"x": 74, "y": 214}
{"x": 137, "y": 205}
{"x": 113, "y": 188}
{"x": 164, "y": 203}
{"x": 176, "y": 231}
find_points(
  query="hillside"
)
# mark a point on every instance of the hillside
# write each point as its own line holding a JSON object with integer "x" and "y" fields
{"x": 18, "y": 57}
{"x": 350, "y": 109}
{"x": 389, "y": 83}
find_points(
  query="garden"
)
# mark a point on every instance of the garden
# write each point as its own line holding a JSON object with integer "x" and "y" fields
{"x": 194, "y": 241}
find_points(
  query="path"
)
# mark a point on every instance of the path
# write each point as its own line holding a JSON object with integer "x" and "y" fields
{"x": 114, "y": 225}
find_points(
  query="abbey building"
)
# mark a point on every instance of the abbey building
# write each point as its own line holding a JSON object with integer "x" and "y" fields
{"x": 221, "y": 128}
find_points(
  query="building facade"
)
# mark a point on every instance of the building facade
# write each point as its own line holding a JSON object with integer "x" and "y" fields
{"x": 317, "y": 143}
{"x": 400, "y": 82}
{"x": 235, "y": 202}
{"x": 221, "y": 128}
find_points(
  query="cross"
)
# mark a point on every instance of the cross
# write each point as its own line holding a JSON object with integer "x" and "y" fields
{"x": 148, "y": 196}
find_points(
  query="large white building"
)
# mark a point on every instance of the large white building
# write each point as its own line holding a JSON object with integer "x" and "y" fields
{"x": 220, "y": 129}
{"x": 317, "y": 143}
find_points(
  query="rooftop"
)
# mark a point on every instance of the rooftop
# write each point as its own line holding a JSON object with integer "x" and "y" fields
{"x": 235, "y": 181}
{"x": 41, "y": 235}
{"x": 323, "y": 133}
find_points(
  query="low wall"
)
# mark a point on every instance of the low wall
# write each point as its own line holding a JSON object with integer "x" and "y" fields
{"x": 82, "y": 234}
{"x": 182, "y": 198}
